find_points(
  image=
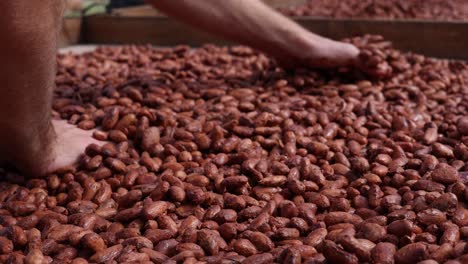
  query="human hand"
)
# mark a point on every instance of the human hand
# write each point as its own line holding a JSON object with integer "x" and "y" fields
{"x": 325, "y": 53}
{"x": 332, "y": 54}
{"x": 318, "y": 52}
{"x": 374, "y": 64}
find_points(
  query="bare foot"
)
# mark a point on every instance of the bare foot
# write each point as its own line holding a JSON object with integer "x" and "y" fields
{"x": 70, "y": 144}
{"x": 65, "y": 149}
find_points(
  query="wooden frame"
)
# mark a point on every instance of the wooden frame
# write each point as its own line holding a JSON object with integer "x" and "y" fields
{"x": 438, "y": 39}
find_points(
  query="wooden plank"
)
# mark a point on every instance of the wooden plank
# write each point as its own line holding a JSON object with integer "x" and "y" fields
{"x": 438, "y": 39}
{"x": 161, "y": 31}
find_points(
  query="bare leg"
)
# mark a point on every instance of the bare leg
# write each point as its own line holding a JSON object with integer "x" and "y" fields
{"x": 28, "y": 137}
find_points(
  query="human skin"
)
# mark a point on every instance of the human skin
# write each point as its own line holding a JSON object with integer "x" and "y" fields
{"x": 253, "y": 23}
{"x": 38, "y": 145}
{"x": 29, "y": 138}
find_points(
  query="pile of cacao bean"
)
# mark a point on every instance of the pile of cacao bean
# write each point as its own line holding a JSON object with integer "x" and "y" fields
{"x": 217, "y": 155}
{"x": 383, "y": 9}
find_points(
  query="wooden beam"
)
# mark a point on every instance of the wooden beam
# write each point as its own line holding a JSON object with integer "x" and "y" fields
{"x": 438, "y": 39}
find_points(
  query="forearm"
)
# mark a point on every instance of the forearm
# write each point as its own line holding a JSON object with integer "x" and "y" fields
{"x": 249, "y": 22}
{"x": 27, "y": 73}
